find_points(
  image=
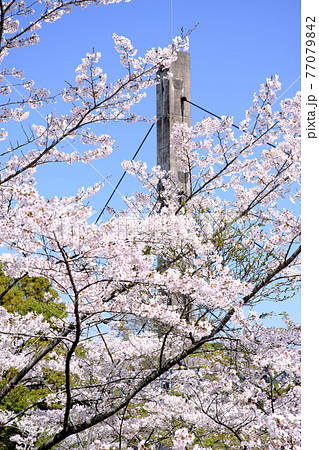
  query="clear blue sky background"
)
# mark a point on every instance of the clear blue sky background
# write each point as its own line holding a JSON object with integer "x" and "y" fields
{"x": 235, "y": 47}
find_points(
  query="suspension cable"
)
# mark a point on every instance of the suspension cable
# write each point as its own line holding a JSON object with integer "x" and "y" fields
{"x": 123, "y": 175}
{"x": 184, "y": 99}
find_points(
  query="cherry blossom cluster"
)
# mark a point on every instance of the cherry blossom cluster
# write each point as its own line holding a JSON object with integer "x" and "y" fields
{"x": 156, "y": 343}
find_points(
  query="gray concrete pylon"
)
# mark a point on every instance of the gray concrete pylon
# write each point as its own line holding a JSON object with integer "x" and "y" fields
{"x": 170, "y": 109}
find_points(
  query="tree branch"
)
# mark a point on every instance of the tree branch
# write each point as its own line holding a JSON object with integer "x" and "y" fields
{"x": 168, "y": 364}
{"x": 34, "y": 361}
{"x": 11, "y": 285}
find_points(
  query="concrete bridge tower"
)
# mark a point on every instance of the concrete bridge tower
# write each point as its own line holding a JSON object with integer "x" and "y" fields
{"x": 170, "y": 109}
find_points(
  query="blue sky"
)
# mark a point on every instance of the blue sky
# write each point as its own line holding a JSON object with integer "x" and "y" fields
{"x": 234, "y": 48}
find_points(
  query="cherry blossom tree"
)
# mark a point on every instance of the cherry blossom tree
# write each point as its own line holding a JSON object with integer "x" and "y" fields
{"x": 161, "y": 342}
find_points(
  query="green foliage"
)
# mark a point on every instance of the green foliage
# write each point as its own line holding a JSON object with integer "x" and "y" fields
{"x": 21, "y": 397}
{"x": 35, "y": 295}
{"x": 29, "y": 295}
{"x": 5, "y": 434}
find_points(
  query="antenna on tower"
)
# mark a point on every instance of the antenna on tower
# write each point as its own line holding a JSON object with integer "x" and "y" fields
{"x": 171, "y": 21}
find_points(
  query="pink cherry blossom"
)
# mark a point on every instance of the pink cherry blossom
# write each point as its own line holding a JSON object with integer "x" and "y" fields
{"x": 158, "y": 340}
